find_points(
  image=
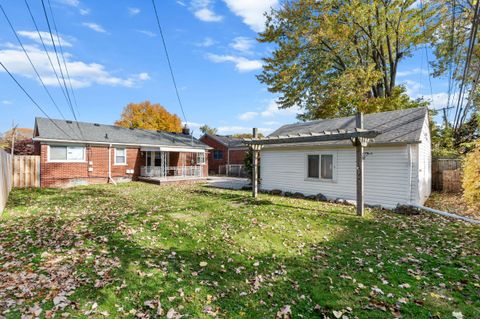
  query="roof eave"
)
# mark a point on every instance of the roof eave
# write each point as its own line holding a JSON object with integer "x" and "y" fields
{"x": 54, "y": 140}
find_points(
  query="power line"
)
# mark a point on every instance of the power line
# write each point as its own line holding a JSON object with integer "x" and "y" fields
{"x": 58, "y": 59}
{"x": 30, "y": 60}
{"x": 31, "y": 99}
{"x": 422, "y": 8}
{"x": 450, "y": 64}
{"x": 473, "y": 33}
{"x": 60, "y": 67}
{"x": 63, "y": 57}
{"x": 45, "y": 49}
{"x": 168, "y": 60}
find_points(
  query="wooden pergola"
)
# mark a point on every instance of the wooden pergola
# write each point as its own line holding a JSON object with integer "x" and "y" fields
{"x": 359, "y": 137}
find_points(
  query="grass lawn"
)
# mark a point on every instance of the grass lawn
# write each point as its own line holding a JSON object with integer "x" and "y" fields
{"x": 142, "y": 251}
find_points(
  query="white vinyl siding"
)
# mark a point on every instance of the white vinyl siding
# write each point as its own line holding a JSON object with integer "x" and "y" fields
{"x": 60, "y": 153}
{"x": 387, "y": 175}
{"x": 424, "y": 169}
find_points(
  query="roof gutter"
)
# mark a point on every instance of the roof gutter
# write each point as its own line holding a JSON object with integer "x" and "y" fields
{"x": 40, "y": 139}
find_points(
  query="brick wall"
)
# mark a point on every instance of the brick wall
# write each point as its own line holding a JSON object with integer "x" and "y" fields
{"x": 236, "y": 156}
{"x": 70, "y": 174}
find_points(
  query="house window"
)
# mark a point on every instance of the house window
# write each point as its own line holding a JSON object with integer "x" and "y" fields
{"x": 200, "y": 158}
{"x": 66, "y": 153}
{"x": 327, "y": 166}
{"x": 217, "y": 154}
{"x": 313, "y": 164}
{"x": 320, "y": 166}
{"x": 120, "y": 156}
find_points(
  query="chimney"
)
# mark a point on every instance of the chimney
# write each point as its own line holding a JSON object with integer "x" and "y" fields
{"x": 186, "y": 130}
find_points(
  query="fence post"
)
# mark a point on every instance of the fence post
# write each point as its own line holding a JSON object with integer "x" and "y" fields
{"x": 255, "y": 168}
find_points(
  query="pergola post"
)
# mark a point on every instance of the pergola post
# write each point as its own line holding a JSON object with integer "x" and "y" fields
{"x": 255, "y": 166}
{"x": 359, "y": 168}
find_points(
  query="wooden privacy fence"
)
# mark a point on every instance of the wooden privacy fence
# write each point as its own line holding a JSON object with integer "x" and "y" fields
{"x": 442, "y": 176}
{"x": 26, "y": 171}
{"x": 5, "y": 177}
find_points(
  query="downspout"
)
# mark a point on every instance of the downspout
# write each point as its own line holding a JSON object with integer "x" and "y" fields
{"x": 228, "y": 161}
{"x": 410, "y": 173}
{"x": 110, "y": 179}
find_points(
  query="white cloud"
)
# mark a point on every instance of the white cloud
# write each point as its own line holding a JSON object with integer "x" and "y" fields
{"x": 84, "y": 12}
{"x": 82, "y": 74}
{"x": 95, "y": 27}
{"x": 6, "y": 102}
{"x": 143, "y": 76}
{"x": 147, "y": 33}
{"x": 243, "y": 44}
{"x": 203, "y": 10}
{"x": 242, "y": 129}
{"x": 207, "y": 15}
{"x": 251, "y": 11}
{"x": 414, "y": 71}
{"x": 72, "y": 3}
{"x": 269, "y": 123}
{"x": 33, "y": 35}
{"x": 207, "y": 42}
{"x": 241, "y": 64}
{"x": 269, "y": 111}
{"x": 247, "y": 116}
{"x": 133, "y": 11}
{"x": 436, "y": 100}
{"x": 181, "y": 3}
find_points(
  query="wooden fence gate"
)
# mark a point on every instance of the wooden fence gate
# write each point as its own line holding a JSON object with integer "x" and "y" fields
{"x": 439, "y": 166}
{"x": 26, "y": 171}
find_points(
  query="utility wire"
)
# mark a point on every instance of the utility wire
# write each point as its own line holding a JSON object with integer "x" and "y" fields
{"x": 60, "y": 67}
{"x": 477, "y": 76}
{"x": 168, "y": 60}
{"x": 58, "y": 60}
{"x": 63, "y": 58}
{"x": 31, "y": 63}
{"x": 473, "y": 32}
{"x": 46, "y": 50}
{"x": 450, "y": 64}
{"x": 31, "y": 99}
{"x": 422, "y": 8}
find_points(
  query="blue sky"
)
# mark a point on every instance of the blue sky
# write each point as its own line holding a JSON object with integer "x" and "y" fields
{"x": 115, "y": 56}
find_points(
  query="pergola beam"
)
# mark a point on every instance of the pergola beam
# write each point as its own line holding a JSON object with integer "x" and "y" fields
{"x": 317, "y": 137}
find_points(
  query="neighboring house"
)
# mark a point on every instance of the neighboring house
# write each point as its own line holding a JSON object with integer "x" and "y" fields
{"x": 397, "y": 162}
{"x": 74, "y": 153}
{"x": 227, "y": 154}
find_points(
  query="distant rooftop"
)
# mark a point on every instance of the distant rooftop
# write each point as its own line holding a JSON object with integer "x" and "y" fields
{"x": 228, "y": 140}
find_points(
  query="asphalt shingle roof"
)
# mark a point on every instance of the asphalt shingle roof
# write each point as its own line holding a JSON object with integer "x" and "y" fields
{"x": 402, "y": 126}
{"x": 229, "y": 141}
{"x": 93, "y": 132}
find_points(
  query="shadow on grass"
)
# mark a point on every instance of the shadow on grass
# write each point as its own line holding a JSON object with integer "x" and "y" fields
{"x": 168, "y": 265}
{"x": 242, "y": 197}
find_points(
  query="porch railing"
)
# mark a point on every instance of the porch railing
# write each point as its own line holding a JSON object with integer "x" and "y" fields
{"x": 171, "y": 171}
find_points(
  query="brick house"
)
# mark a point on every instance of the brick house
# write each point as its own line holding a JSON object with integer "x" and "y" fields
{"x": 227, "y": 155}
{"x": 76, "y": 153}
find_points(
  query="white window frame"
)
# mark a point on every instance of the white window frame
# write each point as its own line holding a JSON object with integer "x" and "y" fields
{"x": 320, "y": 179}
{"x": 49, "y": 160}
{"x": 204, "y": 159}
{"x": 115, "y": 156}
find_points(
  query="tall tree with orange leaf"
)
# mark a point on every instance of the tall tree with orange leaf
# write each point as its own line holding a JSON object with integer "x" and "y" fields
{"x": 149, "y": 116}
